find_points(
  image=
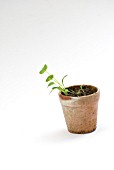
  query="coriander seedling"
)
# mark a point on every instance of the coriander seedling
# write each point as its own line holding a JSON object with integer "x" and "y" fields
{"x": 51, "y": 80}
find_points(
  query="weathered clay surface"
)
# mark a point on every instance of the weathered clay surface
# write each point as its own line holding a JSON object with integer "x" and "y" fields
{"x": 80, "y": 112}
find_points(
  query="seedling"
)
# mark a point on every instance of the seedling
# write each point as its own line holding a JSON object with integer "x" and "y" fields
{"x": 52, "y": 81}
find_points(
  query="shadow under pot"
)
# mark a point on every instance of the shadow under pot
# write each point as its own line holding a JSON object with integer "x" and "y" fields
{"x": 81, "y": 112}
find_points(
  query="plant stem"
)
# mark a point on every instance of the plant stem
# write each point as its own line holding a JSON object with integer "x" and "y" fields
{"x": 71, "y": 91}
{"x": 56, "y": 80}
{"x": 62, "y": 86}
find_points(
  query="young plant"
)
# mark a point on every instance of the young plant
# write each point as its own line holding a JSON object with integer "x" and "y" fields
{"x": 51, "y": 80}
{"x": 81, "y": 89}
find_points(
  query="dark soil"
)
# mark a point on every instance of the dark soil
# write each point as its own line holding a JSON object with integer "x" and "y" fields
{"x": 77, "y": 91}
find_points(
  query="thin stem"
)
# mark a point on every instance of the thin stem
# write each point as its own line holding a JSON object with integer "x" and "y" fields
{"x": 71, "y": 91}
{"x": 56, "y": 80}
{"x": 81, "y": 88}
{"x": 63, "y": 89}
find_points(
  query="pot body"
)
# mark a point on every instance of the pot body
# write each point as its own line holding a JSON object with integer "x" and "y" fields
{"x": 80, "y": 112}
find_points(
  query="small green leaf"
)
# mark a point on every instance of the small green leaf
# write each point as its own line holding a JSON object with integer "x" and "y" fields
{"x": 51, "y": 83}
{"x": 53, "y": 88}
{"x": 50, "y": 77}
{"x": 63, "y": 79}
{"x": 65, "y": 91}
{"x": 43, "y": 69}
{"x": 81, "y": 87}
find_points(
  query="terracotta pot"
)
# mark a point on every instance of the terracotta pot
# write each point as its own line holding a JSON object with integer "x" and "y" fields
{"x": 80, "y": 112}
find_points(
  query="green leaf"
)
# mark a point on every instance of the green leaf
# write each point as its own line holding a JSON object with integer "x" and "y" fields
{"x": 51, "y": 83}
{"x": 53, "y": 88}
{"x": 63, "y": 79}
{"x": 60, "y": 89}
{"x": 65, "y": 91}
{"x": 50, "y": 77}
{"x": 81, "y": 87}
{"x": 43, "y": 69}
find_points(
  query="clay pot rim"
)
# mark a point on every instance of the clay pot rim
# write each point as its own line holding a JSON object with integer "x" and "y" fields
{"x": 66, "y": 97}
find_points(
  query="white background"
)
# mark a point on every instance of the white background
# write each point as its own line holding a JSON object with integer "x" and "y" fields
{"x": 72, "y": 37}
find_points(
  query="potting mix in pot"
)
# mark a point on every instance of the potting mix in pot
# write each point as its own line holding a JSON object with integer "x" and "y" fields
{"x": 80, "y": 90}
